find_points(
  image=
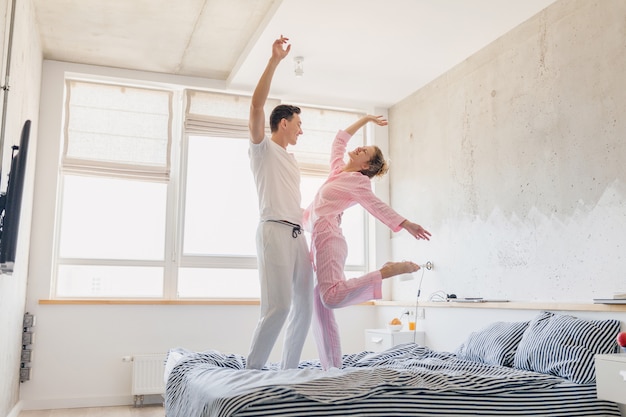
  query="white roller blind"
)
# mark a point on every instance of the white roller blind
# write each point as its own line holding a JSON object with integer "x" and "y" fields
{"x": 117, "y": 130}
{"x": 221, "y": 115}
{"x": 224, "y": 115}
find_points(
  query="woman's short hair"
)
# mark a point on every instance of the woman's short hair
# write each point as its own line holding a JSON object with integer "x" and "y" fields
{"x": 377, "y": 165}
{"x": 280, "y": 112}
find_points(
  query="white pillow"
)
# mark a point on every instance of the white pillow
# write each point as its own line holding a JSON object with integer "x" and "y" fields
{"x": 173, "y": 357}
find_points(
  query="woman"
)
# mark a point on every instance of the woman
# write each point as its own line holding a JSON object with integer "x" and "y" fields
{"x": 348, "y": 184}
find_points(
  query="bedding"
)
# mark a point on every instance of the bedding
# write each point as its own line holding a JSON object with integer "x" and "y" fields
{"x": 565, "y": 346}
{"x": 406, "y": 380}
{"x": 496, "y": 344}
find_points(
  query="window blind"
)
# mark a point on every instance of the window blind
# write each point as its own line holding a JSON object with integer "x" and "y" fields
{"x": 117, "y": 130}
{"x": 320, "y": 126}
{"x": 218, "y": 114}
{"x": 225, "y": 115}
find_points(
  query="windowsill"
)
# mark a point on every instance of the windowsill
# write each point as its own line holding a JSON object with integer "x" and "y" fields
{"x": 511, "y": 305}
{"x": 229, "y": 301}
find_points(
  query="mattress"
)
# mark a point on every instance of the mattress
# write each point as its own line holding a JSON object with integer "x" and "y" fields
{"x": 406, "y": 380}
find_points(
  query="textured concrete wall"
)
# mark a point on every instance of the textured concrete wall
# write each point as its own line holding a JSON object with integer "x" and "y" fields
{"x": 515, "y": 160}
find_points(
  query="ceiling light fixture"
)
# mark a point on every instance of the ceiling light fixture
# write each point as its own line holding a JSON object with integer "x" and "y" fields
{"x": 298, "y": 66}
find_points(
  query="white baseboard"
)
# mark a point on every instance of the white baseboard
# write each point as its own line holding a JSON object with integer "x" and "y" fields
{"x": 56, "y": 403}
{"x": 16, "y": 410}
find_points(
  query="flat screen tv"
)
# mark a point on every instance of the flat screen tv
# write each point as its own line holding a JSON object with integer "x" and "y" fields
{"x": 11, "y": 202}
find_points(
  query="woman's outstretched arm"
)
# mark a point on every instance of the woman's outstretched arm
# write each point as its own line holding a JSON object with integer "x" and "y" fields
{"x": 354, "y": 127}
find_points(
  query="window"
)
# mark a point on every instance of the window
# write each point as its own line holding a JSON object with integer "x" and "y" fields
{"x": 146, "y": 212}
{"x": 115, "y": 173}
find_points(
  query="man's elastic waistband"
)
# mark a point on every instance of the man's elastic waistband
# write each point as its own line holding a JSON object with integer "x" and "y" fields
{"x": 296, "y": 229}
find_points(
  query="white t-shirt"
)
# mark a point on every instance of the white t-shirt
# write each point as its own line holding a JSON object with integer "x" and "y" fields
{"x": 277, "y": 177}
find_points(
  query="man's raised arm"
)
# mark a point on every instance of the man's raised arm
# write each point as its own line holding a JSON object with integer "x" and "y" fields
{"x": 256, "y": 123}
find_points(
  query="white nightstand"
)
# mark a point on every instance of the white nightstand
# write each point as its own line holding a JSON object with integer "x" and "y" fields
{"x": 377, "y": 340}
{"x": 611, "y": 377}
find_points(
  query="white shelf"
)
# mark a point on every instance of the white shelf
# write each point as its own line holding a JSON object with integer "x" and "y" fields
{"x": 510, "y": 305}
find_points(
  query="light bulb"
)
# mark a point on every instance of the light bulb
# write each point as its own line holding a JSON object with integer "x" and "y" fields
{"x": 298, "y": 66}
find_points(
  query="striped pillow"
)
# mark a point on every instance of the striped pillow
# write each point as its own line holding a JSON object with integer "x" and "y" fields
{"x": 494, "y": 345}
{"x": 565, "y": 346}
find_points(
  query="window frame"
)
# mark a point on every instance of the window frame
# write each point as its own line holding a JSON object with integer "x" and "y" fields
{"x": 173, "y": 257}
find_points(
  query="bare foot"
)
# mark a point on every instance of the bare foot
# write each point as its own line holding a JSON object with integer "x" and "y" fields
{"x": 391, "y": 269}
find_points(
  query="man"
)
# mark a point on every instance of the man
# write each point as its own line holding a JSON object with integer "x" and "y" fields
{"x": 285, "y": 270}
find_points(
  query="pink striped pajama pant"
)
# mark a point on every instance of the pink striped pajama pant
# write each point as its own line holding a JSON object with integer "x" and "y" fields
{"x": 333, "y": 290}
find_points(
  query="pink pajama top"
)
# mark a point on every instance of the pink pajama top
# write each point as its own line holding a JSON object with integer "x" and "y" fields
{"x": 343, "y": 190}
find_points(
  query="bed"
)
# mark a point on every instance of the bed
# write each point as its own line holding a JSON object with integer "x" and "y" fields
{"x": 542, "y": 367}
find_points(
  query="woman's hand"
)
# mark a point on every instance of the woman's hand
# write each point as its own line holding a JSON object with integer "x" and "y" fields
{"x": 352, "y": 129}
{"x": 417, "y": 231}
{"x": 379, "y": 120}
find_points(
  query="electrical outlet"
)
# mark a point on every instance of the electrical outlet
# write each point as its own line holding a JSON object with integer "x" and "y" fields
{"x": 421, "y": 314}
{"x": 24, "y": 374}
{"x": 428, "y": 265}
{"x": 28, "y": 321}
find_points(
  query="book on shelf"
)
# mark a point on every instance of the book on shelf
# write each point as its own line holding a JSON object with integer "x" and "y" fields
{"x": 609, "y": 301}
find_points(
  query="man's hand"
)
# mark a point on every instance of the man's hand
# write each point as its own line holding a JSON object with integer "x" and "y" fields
{"x": 278, "y": 52}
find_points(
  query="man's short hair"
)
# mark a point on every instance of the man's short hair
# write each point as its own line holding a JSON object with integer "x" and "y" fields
{"x": 280, "y": 112}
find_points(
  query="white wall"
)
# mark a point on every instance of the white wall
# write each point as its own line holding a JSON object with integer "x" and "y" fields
{"x": 79, "y": 349}
{"x": 22, "y": 105}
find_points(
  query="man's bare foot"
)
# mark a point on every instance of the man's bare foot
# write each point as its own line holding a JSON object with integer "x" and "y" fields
{"x": 391, "y": 269}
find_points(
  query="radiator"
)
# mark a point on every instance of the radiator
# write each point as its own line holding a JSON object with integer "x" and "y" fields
{"x": 148, "y": 374}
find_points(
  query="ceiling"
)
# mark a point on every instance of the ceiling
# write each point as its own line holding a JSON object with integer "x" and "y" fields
{"x": 357, "y": 53}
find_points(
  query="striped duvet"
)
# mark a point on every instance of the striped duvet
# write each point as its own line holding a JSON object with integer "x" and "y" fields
{"x": 407, "y": 380}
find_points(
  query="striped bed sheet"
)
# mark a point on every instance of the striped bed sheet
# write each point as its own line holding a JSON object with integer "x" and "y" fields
{"x": 406, "y": 380}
